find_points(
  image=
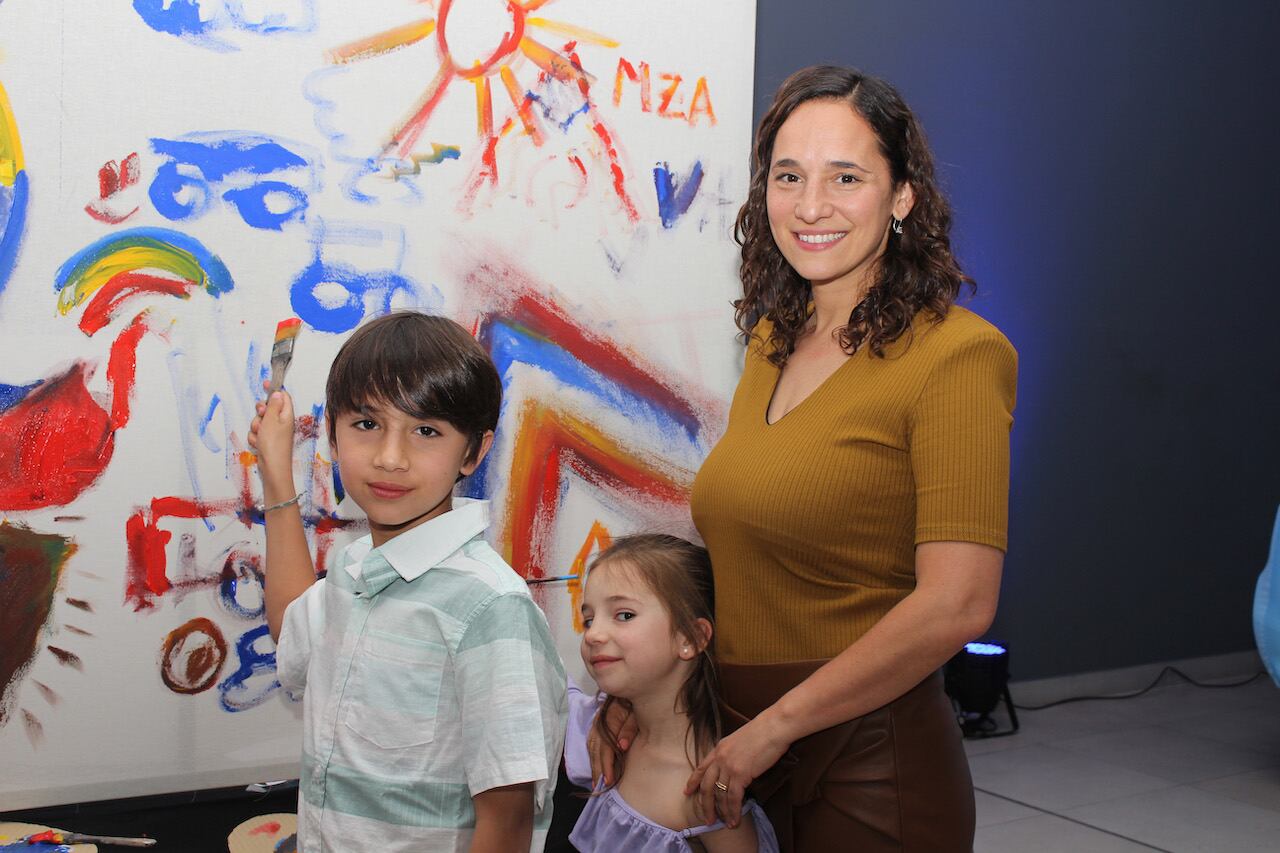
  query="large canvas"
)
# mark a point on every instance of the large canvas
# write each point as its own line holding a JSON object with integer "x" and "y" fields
{"x": 176, "y": 176}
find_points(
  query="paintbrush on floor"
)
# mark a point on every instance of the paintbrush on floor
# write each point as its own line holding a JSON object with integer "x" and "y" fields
{"x": 54, "y": 836}
{"x": 282, "y": 351}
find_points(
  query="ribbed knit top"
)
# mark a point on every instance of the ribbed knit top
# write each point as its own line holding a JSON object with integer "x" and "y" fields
{"x": 812, "y": 521}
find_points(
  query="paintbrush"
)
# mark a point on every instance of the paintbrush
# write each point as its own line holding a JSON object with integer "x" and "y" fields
{"x": 535, "y": 581}
{"x": 282, "y": 351}
{"x": 53, "y": 836}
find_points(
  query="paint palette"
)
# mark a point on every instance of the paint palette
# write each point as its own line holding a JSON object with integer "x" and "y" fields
{"x": 10, "y": 833}
{"x": 268, "y": 833}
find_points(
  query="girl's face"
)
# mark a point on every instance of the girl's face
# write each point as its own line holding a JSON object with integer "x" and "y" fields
{"x": 830, "y": 194}
{"x": 629, "y": 646}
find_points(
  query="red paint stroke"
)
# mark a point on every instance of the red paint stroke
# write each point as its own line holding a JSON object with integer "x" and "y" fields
{"x": 114, "y": 179}
{"x": 122, "y": 287}
{"x": 550, "y": 442}
{"x": 147, "y": 569}
{"x": 122, "y": 367}
{"x": 602, "y": 131}
{"x": 49, "y": 836}
{"x": 54, "y": 443}
{"x": 615, "y": 168}
{"x": 271, "y": 827}
{"x": 57, "y": 441}
{"x": 532, "y": 310}
{"x": 406, "y": 138}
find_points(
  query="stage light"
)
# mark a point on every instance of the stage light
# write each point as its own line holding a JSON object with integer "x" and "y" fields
{"x": 976, "y": 679}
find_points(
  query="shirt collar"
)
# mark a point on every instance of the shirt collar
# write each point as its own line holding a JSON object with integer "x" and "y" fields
{"x": 415, "y": 551}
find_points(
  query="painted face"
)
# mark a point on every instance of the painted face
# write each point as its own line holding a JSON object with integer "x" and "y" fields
{"x": 830, "y": 195}
{"x": 628, "y": 645}
{"x": 398, "y": 468}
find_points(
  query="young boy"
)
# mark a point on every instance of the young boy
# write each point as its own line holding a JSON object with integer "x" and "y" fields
{"x": 434, "y": 706}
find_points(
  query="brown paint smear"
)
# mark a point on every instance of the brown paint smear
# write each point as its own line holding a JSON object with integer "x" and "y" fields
{"x": 192, "y": 656}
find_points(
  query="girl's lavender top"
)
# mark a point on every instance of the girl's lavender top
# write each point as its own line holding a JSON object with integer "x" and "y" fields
{"x": 608, "y": 823}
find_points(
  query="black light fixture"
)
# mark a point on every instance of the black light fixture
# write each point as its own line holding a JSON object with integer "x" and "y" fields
{"x": 976, "y": 679}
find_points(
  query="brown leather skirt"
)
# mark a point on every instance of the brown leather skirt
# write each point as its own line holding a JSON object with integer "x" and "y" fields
{"x": 895, "y": 779}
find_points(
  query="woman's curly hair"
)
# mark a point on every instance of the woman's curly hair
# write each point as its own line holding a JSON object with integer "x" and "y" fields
{"x": 917, "y": 271}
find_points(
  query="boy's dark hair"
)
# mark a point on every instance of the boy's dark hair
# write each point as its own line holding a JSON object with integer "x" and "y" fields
{"x": 425, "y": 365}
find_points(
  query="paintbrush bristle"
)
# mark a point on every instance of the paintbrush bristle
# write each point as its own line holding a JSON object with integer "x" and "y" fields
{"x": 288, "y": 329}
{"x": 282, "y": 350}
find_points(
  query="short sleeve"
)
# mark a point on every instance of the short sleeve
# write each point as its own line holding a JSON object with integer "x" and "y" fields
{"x": 511, "y": 686}
{"x": 582, "y": 713}
{"x": 303, "y": 621}
{"x": 960, "y": 443}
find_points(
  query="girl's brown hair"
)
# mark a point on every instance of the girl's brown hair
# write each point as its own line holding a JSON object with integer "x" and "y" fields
{"x": 917, "y": 271}
{"x": 679, "y": 574}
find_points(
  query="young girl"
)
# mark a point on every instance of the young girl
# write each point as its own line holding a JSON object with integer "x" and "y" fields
{"x": 647, "y": 609}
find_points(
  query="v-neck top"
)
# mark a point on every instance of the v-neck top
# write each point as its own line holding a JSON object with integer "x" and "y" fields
{"x": 812, "y": 521}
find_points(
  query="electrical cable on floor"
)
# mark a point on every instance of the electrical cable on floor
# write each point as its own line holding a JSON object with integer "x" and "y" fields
{"x": 1168, "y": 670}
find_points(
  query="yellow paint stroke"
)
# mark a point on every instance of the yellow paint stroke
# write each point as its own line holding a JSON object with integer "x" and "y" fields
{"x": 484, "y": 107}
{"x": 533, "y": 5}
{"x": 521, "y": 104}
{"x": 383, "y": 42}
{"x": 598, "y": 538}
{"x": 553, "y": 63}
{"x": 149, "y": 256}
{"x": 579, "y": 33}
{"x": 11, "y": 162}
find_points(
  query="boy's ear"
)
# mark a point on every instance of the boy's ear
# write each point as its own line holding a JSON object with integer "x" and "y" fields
{"x": 486, "y": 442}
{"x": 691, "y": 647}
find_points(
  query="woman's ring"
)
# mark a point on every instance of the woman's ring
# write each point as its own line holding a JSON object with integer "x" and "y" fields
{"x": 722, "y": 787}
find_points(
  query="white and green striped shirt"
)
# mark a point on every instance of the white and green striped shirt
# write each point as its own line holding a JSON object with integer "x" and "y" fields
{"x": 430, "y": 676}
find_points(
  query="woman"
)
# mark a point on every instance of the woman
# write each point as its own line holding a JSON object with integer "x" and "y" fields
{"x": 855, "y": 509}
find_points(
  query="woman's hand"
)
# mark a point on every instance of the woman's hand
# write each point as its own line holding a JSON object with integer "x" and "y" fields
{"x": 622, "y": 723}
{"x": 720, "y": 780}
{"x": 271, "y": 435}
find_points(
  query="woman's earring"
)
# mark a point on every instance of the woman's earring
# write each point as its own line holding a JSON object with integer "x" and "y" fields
{"x": 895, "y": 224}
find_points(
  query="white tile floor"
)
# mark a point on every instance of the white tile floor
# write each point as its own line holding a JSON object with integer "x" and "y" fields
{"x": 1179, "y": 769}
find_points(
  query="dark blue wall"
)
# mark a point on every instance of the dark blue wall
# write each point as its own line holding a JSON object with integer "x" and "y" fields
{"x": 1117, "y": 198}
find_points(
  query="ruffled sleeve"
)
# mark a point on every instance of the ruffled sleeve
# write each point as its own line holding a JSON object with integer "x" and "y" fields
{"x": 582, "y": 712}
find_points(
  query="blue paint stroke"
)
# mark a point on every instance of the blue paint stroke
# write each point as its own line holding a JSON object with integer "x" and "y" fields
{"x": 203, "y": 428}
{"x": 510, "y": 344}
{"x": 175, "y": 17}
{"x": 216, "y": 157}
{"x": 260, "y": 667}
{"x": 233, "y": 583}
{"x": 251, "y": 204}
{"x": 344, "y": 316}
{"x": 11, "y": 395}
{"x": 13, "y": 220}
{"x": 24, "y": 847}
{"x": 187, "y": 405}
{"x": 550, "y": 114}
{"x": 198, "y": 21}
{"x": 675, "y": 197}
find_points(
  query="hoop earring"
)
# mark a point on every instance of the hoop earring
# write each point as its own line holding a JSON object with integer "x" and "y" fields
{"x": 895, "y": 225}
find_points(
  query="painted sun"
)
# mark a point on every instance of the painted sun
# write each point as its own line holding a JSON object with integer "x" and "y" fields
{"x": 477, "y": 41}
